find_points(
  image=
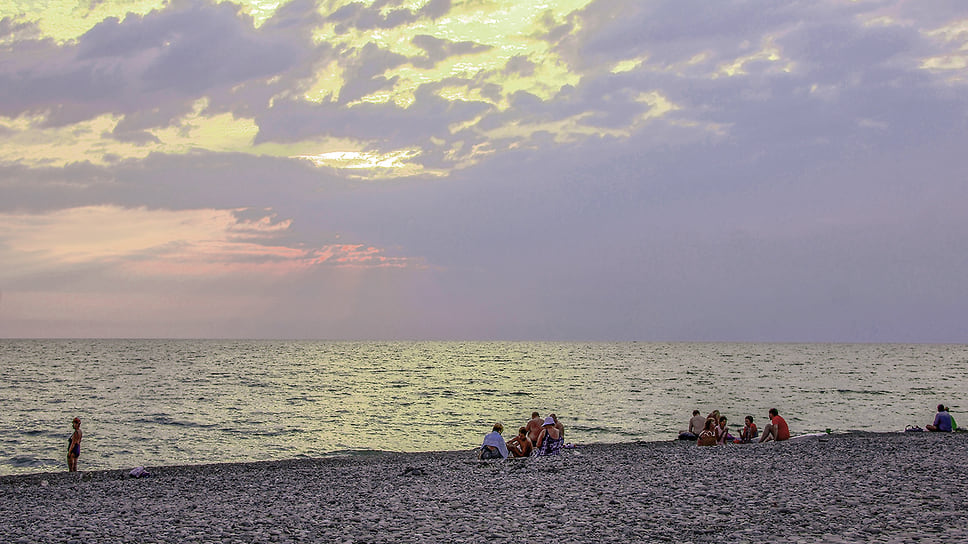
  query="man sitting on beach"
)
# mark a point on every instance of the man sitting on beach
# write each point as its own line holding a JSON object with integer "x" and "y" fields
{"x": 776, "y": 429}
{"x": 534, "y": 427}
{"x": 942, "y": 421}
{"x": 494, "y": 446}
{"x": 521, "y": 445}
{"x": 696, "y": 424}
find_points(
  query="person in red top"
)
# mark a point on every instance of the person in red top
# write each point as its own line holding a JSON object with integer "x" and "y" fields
{"x": 776, "y": 429}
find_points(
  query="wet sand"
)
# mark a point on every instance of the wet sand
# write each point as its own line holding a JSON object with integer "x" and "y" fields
{"x": 857, "y": 487}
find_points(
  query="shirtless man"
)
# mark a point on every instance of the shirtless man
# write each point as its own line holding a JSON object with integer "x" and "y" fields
{"x": 521, "y": 445}
{"x": 534, "y": 426}
{"x": 696, "y": 423}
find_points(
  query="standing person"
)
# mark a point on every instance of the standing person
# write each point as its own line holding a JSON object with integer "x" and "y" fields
{"x": 494, "y": 446}
{"x": 776, "y": 429}
{"x": 550, "y": 440}
{"x": 534, "y": 427}
{"x": 942, "y": 421}
{"x": 521, "y": 445}
{"x": 74, "y": 445}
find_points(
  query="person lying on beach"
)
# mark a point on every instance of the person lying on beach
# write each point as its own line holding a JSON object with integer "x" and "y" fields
{"x": 494, "y": 446}
{"x": 534, "y": 427}
{"x": 942, "y": 421}
{"x": 707, "y": 437}
{"x": 748, "y": 433}
{"x": 74, "y": 445}
{"x": 550, "y": 440}
{"x": 777, "y": 429}
{"x": 521, "y": 445}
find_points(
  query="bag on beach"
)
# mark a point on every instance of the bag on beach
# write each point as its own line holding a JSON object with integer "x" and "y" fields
{"x": 139, "y": 472}
{"x": 913, "y": 429}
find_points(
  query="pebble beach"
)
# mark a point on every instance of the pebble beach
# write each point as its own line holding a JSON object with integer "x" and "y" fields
{"x": 851, "y": 487}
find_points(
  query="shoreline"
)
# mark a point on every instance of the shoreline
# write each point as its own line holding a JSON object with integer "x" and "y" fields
{"x": 365, "y": 454}
{"x": 843, "y": 487}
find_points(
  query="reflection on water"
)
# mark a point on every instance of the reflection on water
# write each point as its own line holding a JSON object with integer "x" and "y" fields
{"x": 170, "y": 402}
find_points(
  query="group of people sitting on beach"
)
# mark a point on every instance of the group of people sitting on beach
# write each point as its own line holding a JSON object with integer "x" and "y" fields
{"x": 711, "y": 430}
{"x": 536, "y": 438}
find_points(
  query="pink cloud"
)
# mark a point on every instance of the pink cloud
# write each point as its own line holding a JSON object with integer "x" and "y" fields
{"x": 143, "y": 242}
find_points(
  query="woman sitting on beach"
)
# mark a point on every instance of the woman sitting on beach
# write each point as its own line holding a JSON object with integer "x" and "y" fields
{"x": 521, "y": 445}
{"x": 708, "y": 435}
{"x": 749, "y": 432}
{"x": 550, "y": 440}
{"x": 494, "y": 446}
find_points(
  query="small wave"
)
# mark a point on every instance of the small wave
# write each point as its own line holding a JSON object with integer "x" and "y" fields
{"x": 353, "y": 452}
{"x": 27, "y": 461}
{"x": 161, "y": 419}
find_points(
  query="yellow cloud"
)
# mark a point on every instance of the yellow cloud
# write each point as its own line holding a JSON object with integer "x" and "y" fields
{"x": 768, "y": 52}
{"x": 580, "y": 125}
{"x": 955, "y": 33}
{"x": 65, "y": 20}
{"x": 506, "y": 28}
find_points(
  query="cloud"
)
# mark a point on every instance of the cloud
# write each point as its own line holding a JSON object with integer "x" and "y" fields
{"x": 630, "y": 170}
{"x": 438, "y": 49}
{"x": 162, "y": 61}
{"x": 167, "y": 243}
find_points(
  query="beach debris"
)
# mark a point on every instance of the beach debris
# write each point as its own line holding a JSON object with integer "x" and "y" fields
{"x": 413, "y": 471}
{"x": 139, "y": 472}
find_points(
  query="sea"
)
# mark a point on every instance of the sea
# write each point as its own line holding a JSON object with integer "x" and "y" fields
{"x": 172, "y": 402}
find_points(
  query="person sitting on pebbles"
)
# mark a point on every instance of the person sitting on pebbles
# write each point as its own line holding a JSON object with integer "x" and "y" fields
{"x": 777, "y": 429}
{"x": 749, "y": 432}
{"x": 521, "y": 445}
{"x": 550, "y": 441}
{"x": 534, "y": 427}
{"x": 559, "y": 426}
{"x": 494, "y": 446}
{"x": 722, "y": 431}
{"x": 942, "y": 421}
{"x": 707, "y": 437}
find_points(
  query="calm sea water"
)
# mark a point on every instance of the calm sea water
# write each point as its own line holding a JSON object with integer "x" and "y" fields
{"x": 154, "y": 402}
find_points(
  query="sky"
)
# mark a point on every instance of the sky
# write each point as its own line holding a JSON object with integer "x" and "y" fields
{"x": 737, "y": 170}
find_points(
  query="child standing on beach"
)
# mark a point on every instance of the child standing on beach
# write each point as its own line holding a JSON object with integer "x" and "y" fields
{"x": 74, "y": 445}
